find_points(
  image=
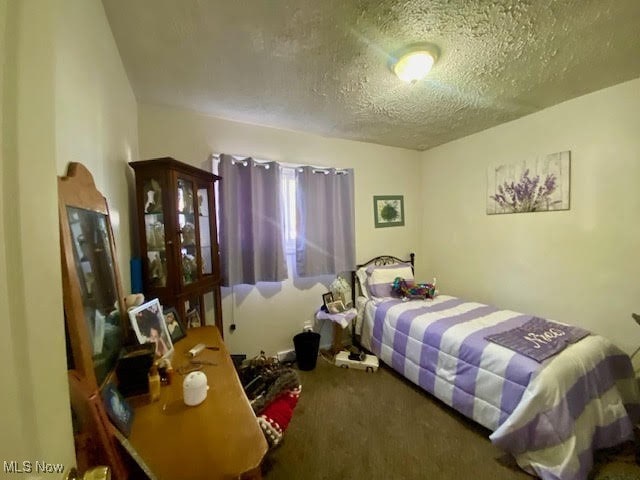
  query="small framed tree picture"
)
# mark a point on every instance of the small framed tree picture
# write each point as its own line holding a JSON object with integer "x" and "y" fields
{"x": 388, "y": 210}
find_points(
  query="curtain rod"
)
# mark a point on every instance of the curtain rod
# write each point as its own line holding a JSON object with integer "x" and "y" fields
{"x": 264, "y": 163}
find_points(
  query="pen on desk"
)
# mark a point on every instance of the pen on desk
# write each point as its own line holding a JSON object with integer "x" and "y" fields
{"x": 199, "y": 348}
{"x": 202, "y": 362}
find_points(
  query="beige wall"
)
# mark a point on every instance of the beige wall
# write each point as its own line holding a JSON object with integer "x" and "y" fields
{"x": 96, "y": 113}
{"x": 15, "y": 427}
{"x": 49, "y": 62}
{"x": 36, "y": 390}
{"x": 579, "y": 266}
{"x": 268, "y": 316}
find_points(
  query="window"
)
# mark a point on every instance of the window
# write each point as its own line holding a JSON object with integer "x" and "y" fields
{"x": 289, "y": 208}
{"x": 284, "y": 213}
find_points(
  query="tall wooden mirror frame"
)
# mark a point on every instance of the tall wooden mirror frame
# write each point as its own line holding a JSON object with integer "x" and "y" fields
{"x": 95, "y": 442}
{"x": 78, "y": 190}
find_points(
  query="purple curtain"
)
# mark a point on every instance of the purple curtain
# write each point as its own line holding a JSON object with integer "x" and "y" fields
{"x": 251, "y": 231}
{"x": 325, "y": 221}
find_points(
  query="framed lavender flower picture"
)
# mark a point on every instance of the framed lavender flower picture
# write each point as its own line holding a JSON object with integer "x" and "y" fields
{"x": 538, "y": 185}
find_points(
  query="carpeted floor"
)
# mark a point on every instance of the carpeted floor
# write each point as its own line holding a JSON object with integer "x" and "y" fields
{"x": 350, "y": 424}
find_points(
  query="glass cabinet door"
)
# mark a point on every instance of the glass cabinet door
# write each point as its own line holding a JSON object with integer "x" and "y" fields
{"x": 155, "y": 233}
{"x": 187, "y": 229}
{"x": 205, "y": 231}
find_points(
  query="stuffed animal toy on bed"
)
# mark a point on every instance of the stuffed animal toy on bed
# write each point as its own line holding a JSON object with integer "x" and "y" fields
{"x": 408, "y": 289}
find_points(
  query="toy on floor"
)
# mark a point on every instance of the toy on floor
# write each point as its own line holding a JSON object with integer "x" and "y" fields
{"x": 368, "y": 363}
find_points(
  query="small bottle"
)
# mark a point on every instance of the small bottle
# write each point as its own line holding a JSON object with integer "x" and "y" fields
{"x": 162, "y": 370}
{"x": 154, "y": 383}
{"x": 169, "y": 373}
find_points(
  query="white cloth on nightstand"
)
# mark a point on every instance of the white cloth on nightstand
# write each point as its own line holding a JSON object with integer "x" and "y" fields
{"x": 342, "y": 318}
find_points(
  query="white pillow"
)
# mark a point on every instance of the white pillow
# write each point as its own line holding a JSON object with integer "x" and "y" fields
{"x": 380, "y": 278}
{"x": 361, "y": 274}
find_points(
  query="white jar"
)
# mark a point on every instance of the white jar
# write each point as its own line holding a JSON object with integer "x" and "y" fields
{"x": 194, "y": 388}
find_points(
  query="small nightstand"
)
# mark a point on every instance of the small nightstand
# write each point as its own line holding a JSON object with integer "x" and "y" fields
{"x": 340, "y": 321}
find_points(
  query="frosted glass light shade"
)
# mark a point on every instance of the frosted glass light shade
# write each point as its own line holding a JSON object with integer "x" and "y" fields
{"x": 414, "y": 66}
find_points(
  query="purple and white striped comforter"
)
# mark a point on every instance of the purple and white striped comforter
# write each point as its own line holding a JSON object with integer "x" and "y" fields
{"x": 550, "y": 416}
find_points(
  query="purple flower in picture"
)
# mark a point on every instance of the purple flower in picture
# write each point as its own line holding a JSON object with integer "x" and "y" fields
{"x": 528, "y": 195}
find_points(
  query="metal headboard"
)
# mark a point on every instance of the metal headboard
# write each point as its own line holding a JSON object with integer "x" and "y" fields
{"x": 380, "y": 260}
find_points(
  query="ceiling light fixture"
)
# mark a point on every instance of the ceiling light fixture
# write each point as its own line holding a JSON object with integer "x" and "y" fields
{"x": 414, "y": 62}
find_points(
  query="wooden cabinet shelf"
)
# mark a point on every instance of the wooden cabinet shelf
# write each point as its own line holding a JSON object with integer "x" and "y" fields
{"x": 177, "y": 235}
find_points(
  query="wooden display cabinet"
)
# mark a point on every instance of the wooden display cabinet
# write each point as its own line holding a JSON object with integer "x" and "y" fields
{"x": 178, "y": 237}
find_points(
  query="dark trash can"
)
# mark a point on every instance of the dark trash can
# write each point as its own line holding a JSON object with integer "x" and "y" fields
{"x": 306, "y": 345}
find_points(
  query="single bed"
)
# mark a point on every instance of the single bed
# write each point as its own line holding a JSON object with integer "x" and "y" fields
{"x": 549, "y": 415}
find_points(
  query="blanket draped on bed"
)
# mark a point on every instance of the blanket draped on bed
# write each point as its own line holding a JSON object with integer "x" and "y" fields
{"x": 539, "y": 338}
{"x": 549, "y": 415}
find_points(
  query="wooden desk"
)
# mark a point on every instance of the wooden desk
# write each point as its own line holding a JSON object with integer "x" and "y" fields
{"x": 218, "y": 439}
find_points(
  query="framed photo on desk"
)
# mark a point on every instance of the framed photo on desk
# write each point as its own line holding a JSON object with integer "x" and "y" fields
{"x": 193, "y": 318}
{"x": 118, "y": 410}
{"x": 174, "y": 325}
{"x": 149, "y": 325}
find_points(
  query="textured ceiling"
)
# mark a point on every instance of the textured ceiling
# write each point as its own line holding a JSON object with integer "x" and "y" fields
{"x": 320, "y": 66}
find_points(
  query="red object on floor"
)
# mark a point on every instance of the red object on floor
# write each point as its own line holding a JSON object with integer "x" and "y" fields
{"x": 276, "y": 416}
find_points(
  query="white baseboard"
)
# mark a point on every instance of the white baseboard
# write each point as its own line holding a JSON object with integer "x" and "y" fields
{"x": 286, "y": 355}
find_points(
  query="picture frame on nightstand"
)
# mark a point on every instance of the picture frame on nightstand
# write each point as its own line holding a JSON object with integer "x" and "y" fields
{"x": 336, "y": 307}
{"x": 327, "y": 298}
